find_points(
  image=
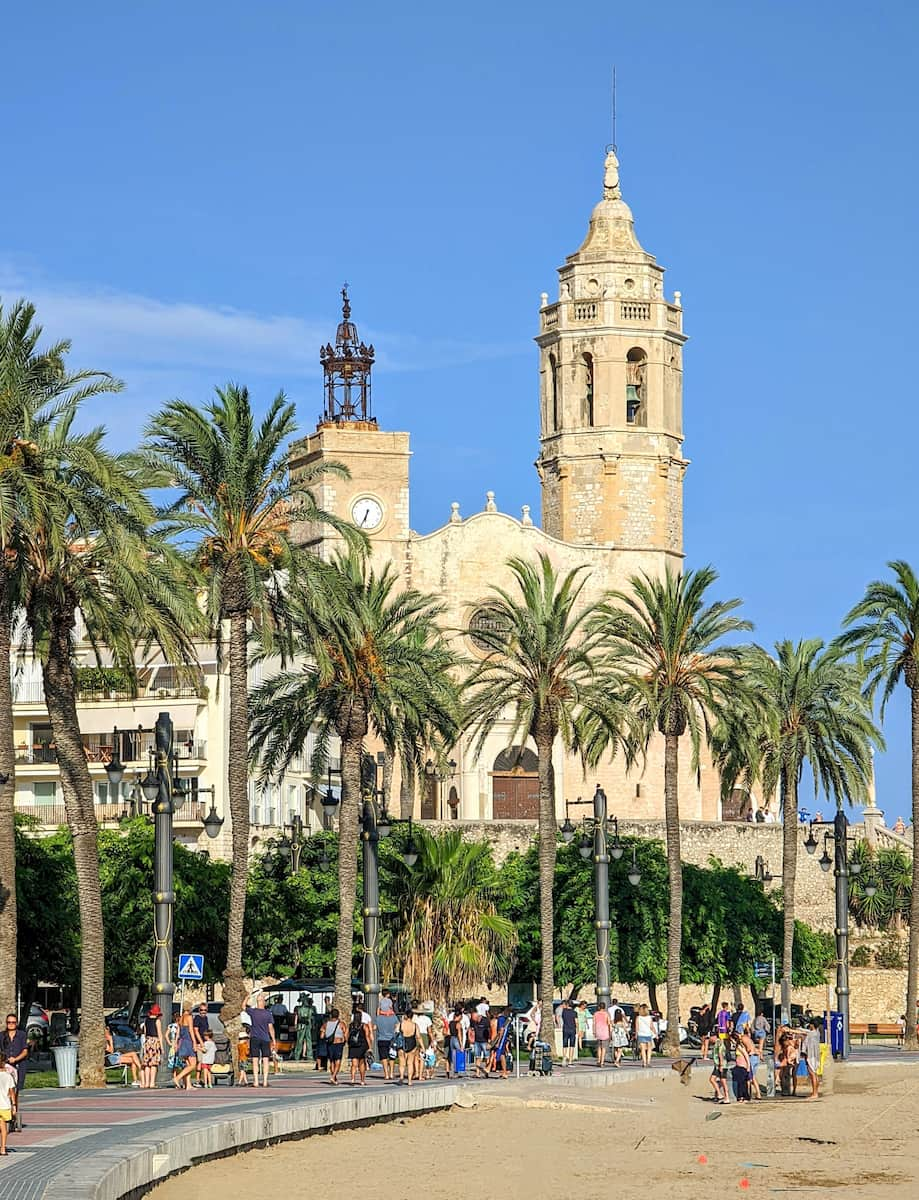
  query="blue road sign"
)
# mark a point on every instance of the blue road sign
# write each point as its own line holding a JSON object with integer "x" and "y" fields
{"x": 191, "y": 966}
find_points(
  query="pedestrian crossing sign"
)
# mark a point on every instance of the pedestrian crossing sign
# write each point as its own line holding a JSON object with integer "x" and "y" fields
{"x": 191, "y": 966}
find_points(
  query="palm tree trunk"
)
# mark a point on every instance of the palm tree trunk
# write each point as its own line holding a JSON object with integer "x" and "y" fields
{"x": 407, "y": 788}
{"x": 671, "y": 1042}
{"x": 77, "y": 786}
{"x": 912, "y": 962}
{"x": 234, "y": 992}
{"x": 789, "y": 869}
{"x": 548, "y": 840}
{"x": 347, "y": 864}
{"x": 389, "y": 762}
{"x": 8, "y": 915}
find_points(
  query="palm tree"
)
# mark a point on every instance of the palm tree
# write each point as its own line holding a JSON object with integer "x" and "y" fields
{"x": 92, "y": 566}
{"x": 883, "y": 629}
{"x": 34, "y": 385}
{"x": 363, "y": 665}
{"x": 448, "y": 936}
{"x": 666, "y": 641}
{"x": 802, "y": 704}
{"x": 237, "y": 504}
{"x": 544, "y": 666}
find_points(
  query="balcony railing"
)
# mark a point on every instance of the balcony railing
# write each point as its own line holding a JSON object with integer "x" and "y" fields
{"x": 135, "y": 748}
{"x": 31, "y": 691}
{"x": 50, "y": 816}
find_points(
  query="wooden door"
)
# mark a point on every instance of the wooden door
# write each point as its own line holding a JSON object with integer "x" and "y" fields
{"x": 515, "y": 797}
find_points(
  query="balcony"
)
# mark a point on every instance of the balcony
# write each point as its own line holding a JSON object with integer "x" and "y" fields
{"x": 94, "y": 689}
{"x": 52, "y": 816}
{"x": 135, "y": 747}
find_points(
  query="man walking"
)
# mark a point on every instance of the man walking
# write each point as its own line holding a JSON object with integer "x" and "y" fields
{"x": 568, "y": 1020}
{"x": 305, "y": 1013}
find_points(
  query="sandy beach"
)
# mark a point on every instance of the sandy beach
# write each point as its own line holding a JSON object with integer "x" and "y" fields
{"x": 650, "y": 1137}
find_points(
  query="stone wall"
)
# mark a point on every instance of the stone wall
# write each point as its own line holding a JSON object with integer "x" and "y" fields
{"x": 735, "y": 844}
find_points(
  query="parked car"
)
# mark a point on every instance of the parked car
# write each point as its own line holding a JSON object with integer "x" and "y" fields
{"x": 38, "y": 1019}
{"x": 123, "y": 1037}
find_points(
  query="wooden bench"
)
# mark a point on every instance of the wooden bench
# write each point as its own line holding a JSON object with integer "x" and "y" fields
{"x": 863, "y": 1028}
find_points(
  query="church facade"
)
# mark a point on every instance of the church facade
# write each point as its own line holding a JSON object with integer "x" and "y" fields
{"x": 611, "y": 471}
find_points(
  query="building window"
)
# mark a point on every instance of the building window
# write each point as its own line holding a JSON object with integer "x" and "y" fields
{"x": 553, "y": 392}
{"x": 589, "y": 389}
{"x": 44, "y": 793}
{"x": 636, "y": 366}
{"x": 102, "y": 793}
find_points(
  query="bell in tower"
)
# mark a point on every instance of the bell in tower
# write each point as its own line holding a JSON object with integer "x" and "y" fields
{"x": 346, "y": 370}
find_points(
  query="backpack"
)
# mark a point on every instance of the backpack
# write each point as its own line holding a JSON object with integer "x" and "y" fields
{"x": 356, "y": 1034}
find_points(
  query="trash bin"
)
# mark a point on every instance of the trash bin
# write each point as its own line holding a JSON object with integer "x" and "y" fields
{"x": 836, "y": 1034}
{"x": 65, "y": 1063}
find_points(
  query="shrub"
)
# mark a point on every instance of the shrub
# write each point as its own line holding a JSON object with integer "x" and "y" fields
{"x": 890, "y": 955}
{"x": 861, "y": 957}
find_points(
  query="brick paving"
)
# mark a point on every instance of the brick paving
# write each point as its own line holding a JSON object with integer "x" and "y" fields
{"x": 63, "y": 1126}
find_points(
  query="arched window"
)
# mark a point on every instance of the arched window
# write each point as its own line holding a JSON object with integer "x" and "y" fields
{"x": 636, "y": 403}
{"x": 589, "y": 388}
{"x": 553, "y": 391}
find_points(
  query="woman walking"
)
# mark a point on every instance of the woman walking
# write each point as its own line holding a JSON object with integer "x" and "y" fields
{"x": 333, "y": 1034}
{"x": 152, "y": 1053}
{"x": 644, "y": 1031}
{"x": 358, "y": 1046}
{"x": 601, "y": 1032}
{"x": 185, "y": 1050}
{"x": 620, "y": 1037}
{"x": 740, "y": 1072}
{"x": 408, "y": 1057}
{"x": 499, "y": 1053}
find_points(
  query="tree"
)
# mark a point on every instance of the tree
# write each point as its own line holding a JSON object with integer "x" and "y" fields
{"x": 90, "y": 556}
{"x": 376, "y": 657}
{"x": 448, "y": 936}
{"x": 883, "y": 629}
{"x": 803, "y": 705}
{"x": 34, "y": 385}
{"x": 237, "y": 504}
{"x": 886, "y": 871}
{"x": 666, "y": 641}
{"x": 544, "y": 666}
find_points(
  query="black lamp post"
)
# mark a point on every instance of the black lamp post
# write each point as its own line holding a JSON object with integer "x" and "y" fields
{"x": 163, "y": 789}
{"x": 293, "y": 841}
{"x": 839, "y": 833}
{"x": 440, "y": 772}
{"x": 594, "y": 841}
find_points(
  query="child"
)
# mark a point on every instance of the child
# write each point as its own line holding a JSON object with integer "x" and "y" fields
{"x": 430, "y": 1062}
{"x": 206, "y": 1056}
{"x": 7, "y": 1101}
{"x": 243, "y": 1054}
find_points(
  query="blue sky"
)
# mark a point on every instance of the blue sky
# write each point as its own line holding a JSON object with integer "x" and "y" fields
{"x": 186, "y": 188}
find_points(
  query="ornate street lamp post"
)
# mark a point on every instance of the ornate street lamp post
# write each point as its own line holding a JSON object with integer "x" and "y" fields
{"x": 839, "y": 833}
{"x": 594, "y": 842}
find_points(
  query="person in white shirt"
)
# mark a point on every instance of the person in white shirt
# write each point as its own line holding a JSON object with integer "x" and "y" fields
{"x": 482, "y": 1008}
{"x": 645, "y": 1030}
{"x": 424, "y": 1022}
{"x": 7, "y": 1092}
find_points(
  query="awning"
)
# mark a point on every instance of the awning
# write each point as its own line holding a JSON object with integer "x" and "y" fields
{"x": 101, "y": 718}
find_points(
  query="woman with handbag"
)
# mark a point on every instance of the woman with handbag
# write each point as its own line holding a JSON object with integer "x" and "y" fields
{"x": 358, "y": 1046}
{"x": 333, "y": 1034}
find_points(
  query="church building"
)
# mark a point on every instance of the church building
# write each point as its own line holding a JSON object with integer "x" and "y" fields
{"x": 611, "y": 470}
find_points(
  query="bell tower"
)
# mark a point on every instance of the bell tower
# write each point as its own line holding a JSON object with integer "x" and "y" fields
{"x": 375, "y": 496}
{"x": 611, "y": 396}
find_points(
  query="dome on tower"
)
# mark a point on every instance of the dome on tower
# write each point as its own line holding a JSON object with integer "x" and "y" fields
{"x": 612, "y": 226}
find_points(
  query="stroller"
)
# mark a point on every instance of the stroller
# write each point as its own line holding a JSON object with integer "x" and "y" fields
{"x": 540, "y": 1058}
{"x": 223, "y": 1061}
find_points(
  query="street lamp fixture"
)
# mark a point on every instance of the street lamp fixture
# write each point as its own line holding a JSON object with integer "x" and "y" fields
{"x": 440, "y": 772}
{"x": 567, "y": 829}
{"x": 634, "y": 872}
{"x": 114, "y": 768}
{"x": 810, "y": 842}
{"x": 291, "y": 845}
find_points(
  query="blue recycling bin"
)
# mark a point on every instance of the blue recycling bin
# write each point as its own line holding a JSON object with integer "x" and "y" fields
{"x": 836, "y": 1034}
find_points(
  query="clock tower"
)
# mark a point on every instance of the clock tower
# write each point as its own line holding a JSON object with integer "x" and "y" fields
{"x": 376, "y": 497}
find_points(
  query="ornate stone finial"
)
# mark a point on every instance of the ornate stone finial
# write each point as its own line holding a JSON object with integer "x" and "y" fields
{"x": 543, "y": 299}
{"x": 490, "y": 505}
{"x": 525, "y": 518}
{"x": 678, "y": 299}
{"x": 611, "y": 189}
{"x": 455, "y": 517}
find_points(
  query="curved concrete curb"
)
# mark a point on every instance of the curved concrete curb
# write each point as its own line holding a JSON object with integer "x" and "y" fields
{"x": 130, "y": 1170}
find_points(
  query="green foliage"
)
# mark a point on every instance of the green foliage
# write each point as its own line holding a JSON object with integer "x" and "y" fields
{"x": 103, "y": 679}
{"x": 48, "y": 944}
{"x": 861, "y": 957}
{"x": 815, "y": 953}
{"x": 889, "y": 871}
{"x": 890, "y": 955}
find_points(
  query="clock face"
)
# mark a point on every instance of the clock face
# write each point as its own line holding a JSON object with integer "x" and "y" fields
{"x": 367, "y": 513}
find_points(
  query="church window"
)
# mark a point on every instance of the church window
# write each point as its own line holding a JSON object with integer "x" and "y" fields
{"x": 636, "y": 365}
{"x": 553, "y": 391}
{"x": 589, "y": 392}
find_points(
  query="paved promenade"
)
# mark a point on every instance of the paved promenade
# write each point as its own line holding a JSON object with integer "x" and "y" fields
{"x": 101, "y": 1145}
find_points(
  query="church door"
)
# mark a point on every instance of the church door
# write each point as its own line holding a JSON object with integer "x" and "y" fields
{"x": 515, "y": 786}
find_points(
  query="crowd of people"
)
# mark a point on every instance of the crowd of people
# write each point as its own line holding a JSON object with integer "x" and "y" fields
{"x": 736, "y": 1040}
